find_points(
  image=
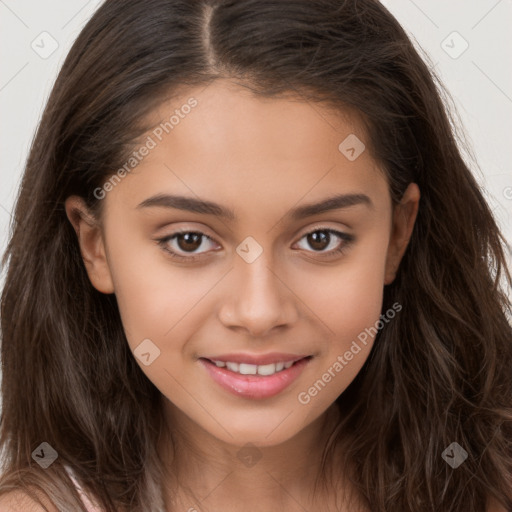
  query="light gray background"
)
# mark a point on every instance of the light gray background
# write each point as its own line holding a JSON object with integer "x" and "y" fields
{"x": 479, "y": 79}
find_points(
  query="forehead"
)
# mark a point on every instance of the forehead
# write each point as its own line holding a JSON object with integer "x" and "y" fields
{"x": 222, "y": 140}
{"x": 228, "y": 115}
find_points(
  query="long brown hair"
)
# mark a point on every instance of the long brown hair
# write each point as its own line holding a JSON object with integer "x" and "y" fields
{"x": 440, "y": 372}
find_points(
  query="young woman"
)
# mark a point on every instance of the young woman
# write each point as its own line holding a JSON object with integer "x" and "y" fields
{"x": 250, "y": 270}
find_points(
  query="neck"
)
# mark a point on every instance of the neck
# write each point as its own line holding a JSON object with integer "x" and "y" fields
{"x": 246, "y": 477}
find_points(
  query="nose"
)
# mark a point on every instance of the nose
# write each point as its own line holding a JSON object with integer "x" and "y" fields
{"x": 257, "y": 299}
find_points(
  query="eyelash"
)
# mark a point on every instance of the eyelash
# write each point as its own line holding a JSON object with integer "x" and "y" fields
{"x": 162, "y": 242}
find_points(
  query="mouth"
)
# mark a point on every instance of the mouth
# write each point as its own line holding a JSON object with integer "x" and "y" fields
{"x": 255, "y": 377}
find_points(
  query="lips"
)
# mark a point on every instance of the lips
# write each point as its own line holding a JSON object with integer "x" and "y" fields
{"x": 255, "y": 377}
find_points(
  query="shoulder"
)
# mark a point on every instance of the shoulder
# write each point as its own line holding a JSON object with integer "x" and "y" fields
{"x": 20, "y": 501}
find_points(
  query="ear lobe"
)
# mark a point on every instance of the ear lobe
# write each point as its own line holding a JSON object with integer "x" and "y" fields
{"x": 404, "y": 217}
{"x": 91, "y": 244}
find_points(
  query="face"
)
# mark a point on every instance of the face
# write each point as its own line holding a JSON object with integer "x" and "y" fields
{"x": 248, "y": 311}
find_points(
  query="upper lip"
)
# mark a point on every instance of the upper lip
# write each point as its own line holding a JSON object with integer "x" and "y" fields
{"x": 257, "y": 359}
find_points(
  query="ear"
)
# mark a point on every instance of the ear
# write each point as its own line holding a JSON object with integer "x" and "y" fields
{"x": 90, "y": 239}
{"x": 404, "y": 217}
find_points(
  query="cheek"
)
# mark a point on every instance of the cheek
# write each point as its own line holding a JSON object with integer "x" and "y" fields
{"x": 347, "y": 296}
{"x": 159, "y": 307}
{"x": 347, "y": 299}
{"x": 152, "y": 296}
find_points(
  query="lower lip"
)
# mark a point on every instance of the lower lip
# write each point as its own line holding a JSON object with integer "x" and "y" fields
{"x": 255, "y": 386}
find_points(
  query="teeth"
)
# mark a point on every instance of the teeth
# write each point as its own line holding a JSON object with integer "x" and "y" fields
{"x": 247, "y": 369}
{"x": 253, "y": 369}
{"x": 267, "y": 369}
{"x": 232, "y": 366}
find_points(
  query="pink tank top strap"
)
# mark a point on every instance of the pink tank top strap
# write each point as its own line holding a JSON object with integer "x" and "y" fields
{"x": 86, "y": 501}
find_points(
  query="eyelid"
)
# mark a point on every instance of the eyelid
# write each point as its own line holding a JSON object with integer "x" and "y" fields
{"x": 321, "y": 227}
{"x": 199, "y": 232}
{"x": 346, "y": 240}
{"x": 184, "y": 257}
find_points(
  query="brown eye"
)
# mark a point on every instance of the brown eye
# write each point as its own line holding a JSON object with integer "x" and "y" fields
{"x": 184, "y": 245}
{"x": 318, "y": 240}
{"x": 321, "y": 239}
{"x": 189, "y": 241}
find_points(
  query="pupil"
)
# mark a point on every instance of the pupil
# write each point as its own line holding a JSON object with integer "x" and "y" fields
{"x": 192, "y": 239}
{"x": 318, "y": 239}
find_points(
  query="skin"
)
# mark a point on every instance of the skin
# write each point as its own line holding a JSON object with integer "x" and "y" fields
{"x": 261, "y": 158}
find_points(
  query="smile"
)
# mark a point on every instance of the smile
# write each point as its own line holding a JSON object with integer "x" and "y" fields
{"x": 253, "y": 369}
{"x": 248, "y": 379}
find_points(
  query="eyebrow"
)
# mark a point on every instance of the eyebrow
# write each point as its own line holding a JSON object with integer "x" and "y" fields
{"x": 194, "y": 205}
